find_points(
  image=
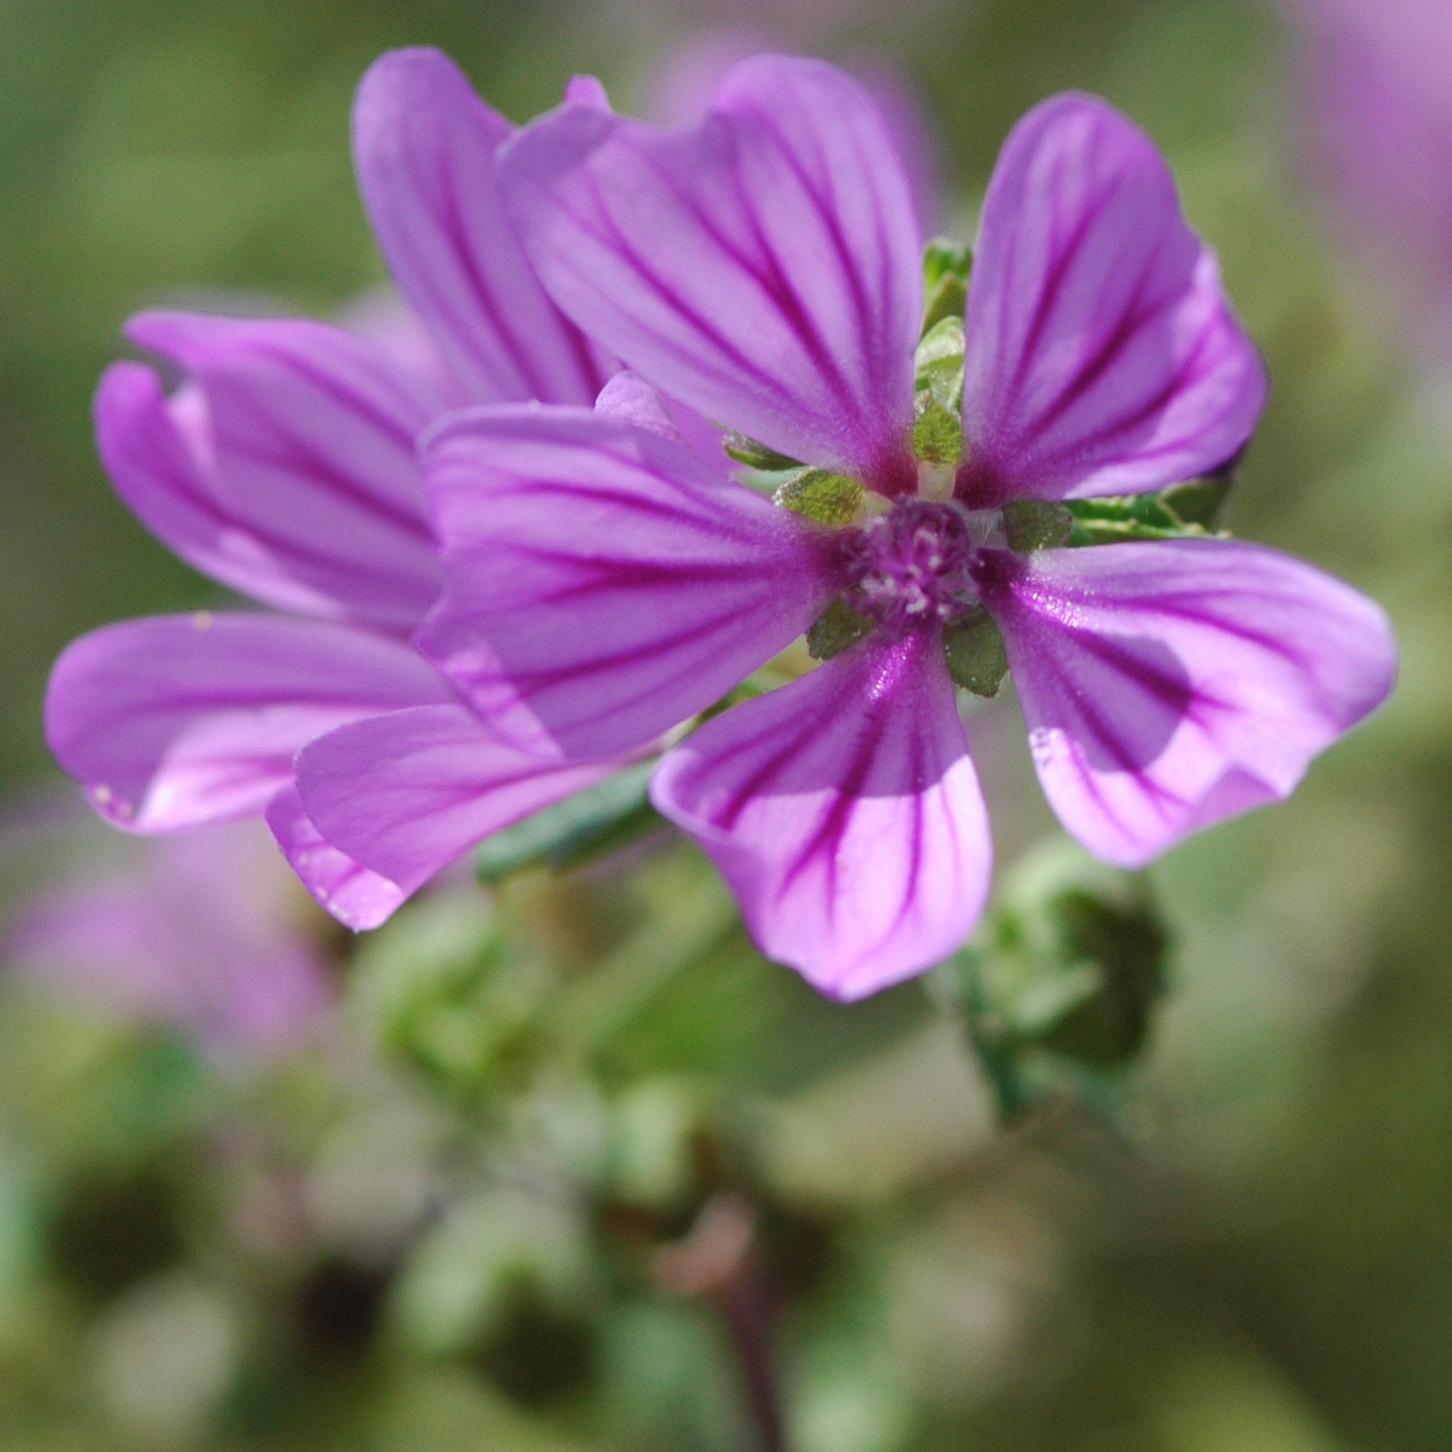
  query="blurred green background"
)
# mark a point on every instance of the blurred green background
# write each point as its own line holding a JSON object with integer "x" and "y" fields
{"x": 348, "y": 1249}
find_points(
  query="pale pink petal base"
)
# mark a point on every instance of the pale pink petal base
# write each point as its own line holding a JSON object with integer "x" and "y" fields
{"x": 845, "y": 814}
{"x": 1169, "y": 684}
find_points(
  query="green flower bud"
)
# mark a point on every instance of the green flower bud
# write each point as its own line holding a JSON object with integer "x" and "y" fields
{"x": 946, "y": 268}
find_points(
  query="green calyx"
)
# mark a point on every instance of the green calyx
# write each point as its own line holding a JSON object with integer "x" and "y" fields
{"x": 946, "y": 268}
{"x": 977, "y": 660}
{"x": 821, "y": 495}
{"x": 839, "y": 627}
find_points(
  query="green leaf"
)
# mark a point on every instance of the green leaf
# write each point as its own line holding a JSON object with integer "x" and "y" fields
{"x": 581, "y": 826}
{"x": 977, "y": 660}
{"x": 938, "y": 364}
{"x": 757, "y": 456}
{"x": 821, "y": 495}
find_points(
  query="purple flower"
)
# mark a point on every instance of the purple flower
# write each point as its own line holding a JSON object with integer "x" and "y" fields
{"x": 284, "y": 467}
{"x": 1375, "y": 100}
{"x": 604, "y": 584}
{"x": 201, "y": 935}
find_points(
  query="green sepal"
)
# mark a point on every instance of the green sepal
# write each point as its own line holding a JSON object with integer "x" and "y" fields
{"x": 821, "y": 495}
{"x": 756, "y": 456}
{"x": 839, "y": 627}
{"x": 585, "y": 825}
{"x": 977, "y": 660}
{"x": 1036, "y": 524}
{"x": 946, "y": 268}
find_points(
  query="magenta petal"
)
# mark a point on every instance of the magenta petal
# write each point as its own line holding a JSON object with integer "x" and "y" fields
{"x": 604, "y": 584}
{"x": 845, "y": 813}
{"x": 182, "y": 719}
{"x": 1168, "y": 684}
{"x": 409, "y": 792}
{"x": 358, "y": 898}
{"x": 286, "y": 468}
{"x": 764, "y": 267}
{"x": 424, "y": 147}
{"x": 1103, "y": 356}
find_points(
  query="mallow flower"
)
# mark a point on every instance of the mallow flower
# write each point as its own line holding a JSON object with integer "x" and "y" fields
{"x": 604, "y": 584}
{"x": 200, "y": 934}
{"x": 284, "y": 467}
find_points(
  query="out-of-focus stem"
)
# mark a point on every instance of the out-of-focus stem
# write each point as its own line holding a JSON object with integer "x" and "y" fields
{"x": 717, "y": 1262}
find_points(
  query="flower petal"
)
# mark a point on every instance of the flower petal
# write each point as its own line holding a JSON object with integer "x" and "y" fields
{"x": 181, "y": 719}
{"x": 764, "y": 267}
{"x": 1168, "y": 684}
{"x": 406, "y": 793}
{"x": 604, "y": 584}
{"x": 1103, "y": 356}
{"x": 358, "y": 898}
{"x": 424, "y": 146}
{"x": 286, "y": 468}
{"x": 845, "y": 813}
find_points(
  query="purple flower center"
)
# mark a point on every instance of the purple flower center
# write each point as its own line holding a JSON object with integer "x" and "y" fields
{"x": 909, "y": 567}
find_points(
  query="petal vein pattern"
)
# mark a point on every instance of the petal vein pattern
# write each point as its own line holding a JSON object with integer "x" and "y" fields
{"x": 1167, "y": 685}
{"x": 180, "y": 719}
{"x": 1102, "y": 354}
{"x": 603, "y": 584}
{"x": 285, "y": 468}
{"x": 845, "y": 813}
{"x": 764, "y": 267}
{"x": 424, "y": 147}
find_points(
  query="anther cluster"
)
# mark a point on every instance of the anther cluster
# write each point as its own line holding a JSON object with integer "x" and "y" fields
{"x": 909, "y": 566}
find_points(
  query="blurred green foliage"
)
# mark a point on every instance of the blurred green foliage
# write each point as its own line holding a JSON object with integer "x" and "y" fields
{"x": 450, "y": 1222}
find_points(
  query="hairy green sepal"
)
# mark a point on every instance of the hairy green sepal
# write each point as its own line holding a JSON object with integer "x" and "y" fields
{"x": 1036, "y": 524}
{"x": 821, "y": 495}
{"x": 946, "y": 268}
{"x": 838, "y": 627}
{"x": 977, "y": 660}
